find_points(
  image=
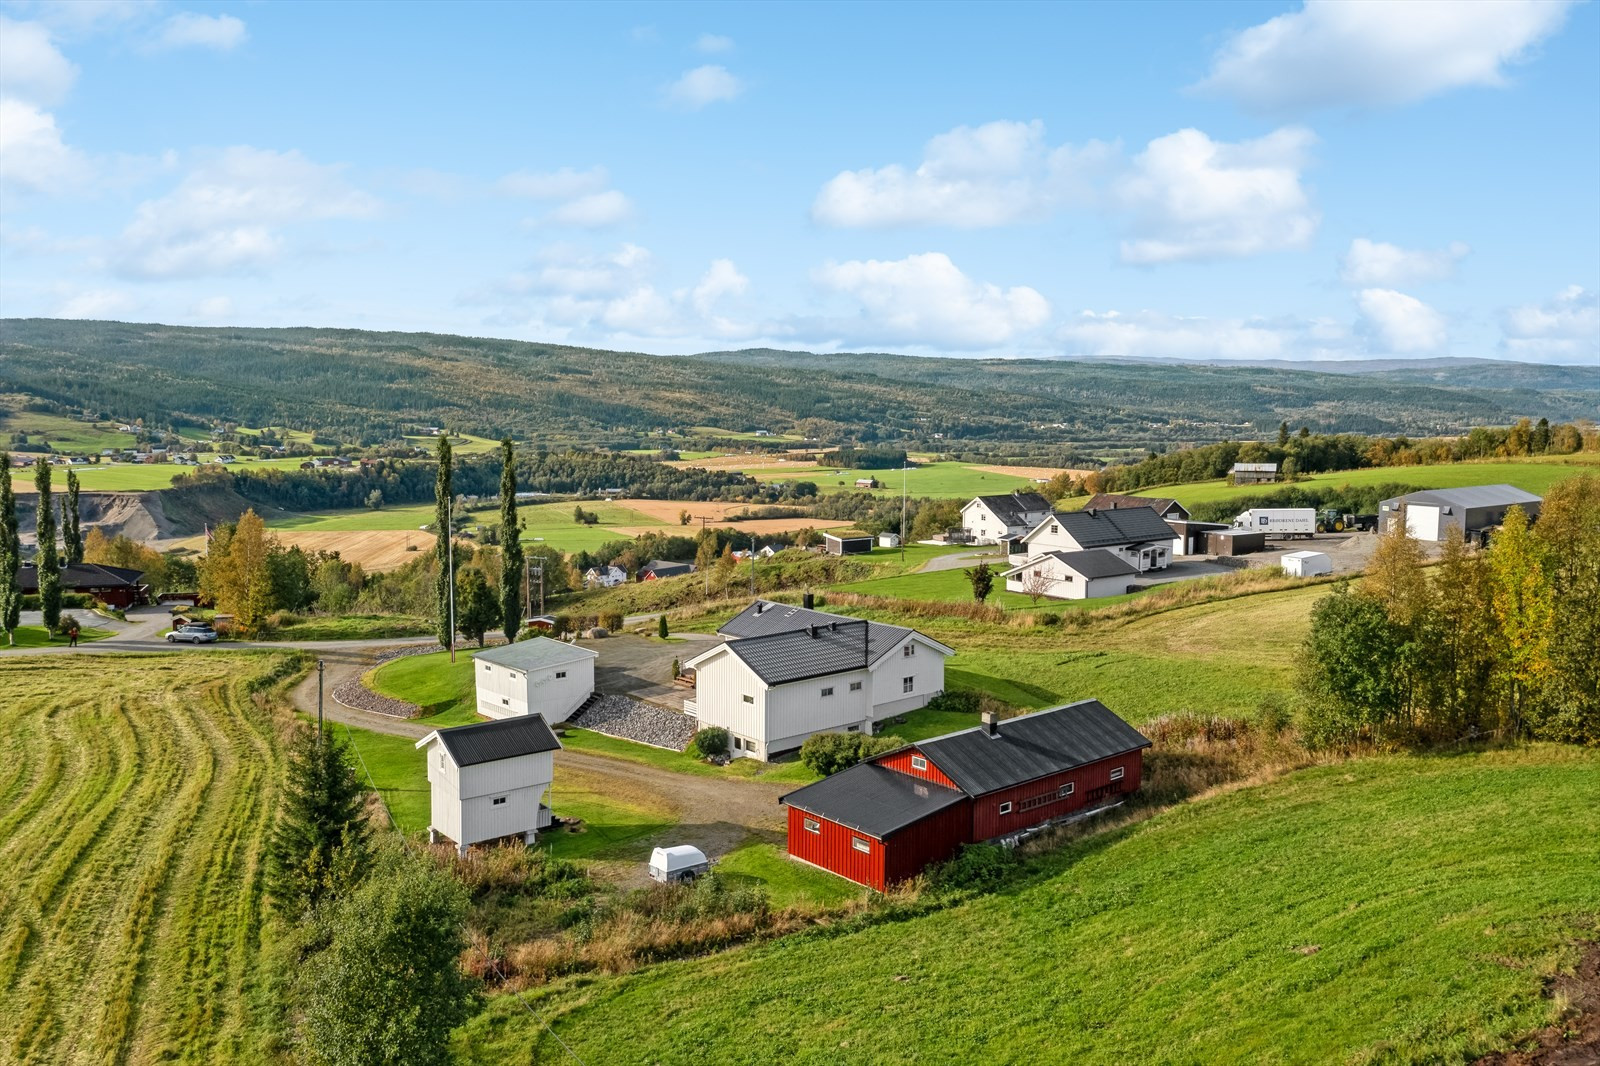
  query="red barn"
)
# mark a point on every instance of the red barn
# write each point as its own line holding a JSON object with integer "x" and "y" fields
{"x": 116, "y": 586}
{"x": 886, "y": 820}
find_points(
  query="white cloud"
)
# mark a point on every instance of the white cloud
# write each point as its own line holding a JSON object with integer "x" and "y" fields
{"x": 228, "y": 215}
{"x": 31, "y": 67}
{"x": 1401, "y": 324}
{"x": 212, "y": 309}
{"x": 1151, "y": 333}
{"x": 96, "y": 303}
{"x": 1564, "y": 330}
{"x": 713, "y": 42}
{"x": 704, "y": 85}
{"x": 972, "y": 176}
{"x": 553, "y": 184}
{"x": 1194, "y": 198}
{"x": 593, "y": 211}
{"x": 926, "y": 299}
{"x": 1376, "y": 263}
{"x": 32, "y": 155}
{"x": 1364, "y": 53}
{"x": 190, "y": 30}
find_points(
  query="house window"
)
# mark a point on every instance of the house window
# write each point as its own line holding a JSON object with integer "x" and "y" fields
{"x": 1116, "y": 773}
{"x": 911, "y": 649}
{"x": 1066, "y": 790}
{"x": 497, "y": 801}
{"x": 852, "y": 729}
{"x": 749, "y": 699}
{"x": 1054, "y": 528}
{"x": 1005, "y": 808}
{"x": 918, "y": 762}
{"x": 739, "y": 744}
{"x": 907, "y": 684}
{"x": 855, "y": 686}
{"x": 860, "y": 844}
{"x": 486, "y": 666}
{"x": 827, "y": 691}
{"x": 441, "y": 760}
{"x": 504, "y": 702}
{"x": 561, "y": 673}
{"x": 813, "y": 826}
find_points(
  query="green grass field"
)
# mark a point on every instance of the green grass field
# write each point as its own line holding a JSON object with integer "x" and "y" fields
{"x": 444, "y": 690}
{"x": 131, "y": 477}
{"x": 39, "y": 637}
{"x": 67, "y": 435}
{"x": 941, "y": 480}
{"x": 1396, "y": 909}
{"x": 549, "y": 523}
{"x": 133, "y": 817}
{"x": 787, "y": 884}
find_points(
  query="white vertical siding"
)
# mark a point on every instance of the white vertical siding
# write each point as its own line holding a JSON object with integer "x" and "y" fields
{"x": 462, "y": 801}
{"x": 504, "y": 691}
{"x": 925, "y": 668}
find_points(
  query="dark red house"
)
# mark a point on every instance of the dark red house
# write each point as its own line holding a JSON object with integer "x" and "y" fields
{"x": 116, "y": 586}
{"x": 886, "y": 820}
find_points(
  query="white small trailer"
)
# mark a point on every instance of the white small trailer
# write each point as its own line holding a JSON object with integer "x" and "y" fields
{"x": 681, "y": 862}
{"x": 1279, "y": 521}
{"x": 1306, "y": 564}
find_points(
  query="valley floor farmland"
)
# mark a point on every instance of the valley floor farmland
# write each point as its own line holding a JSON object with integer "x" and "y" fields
{"x": 1388, "y": 909}
{"x": 134, "y": 808}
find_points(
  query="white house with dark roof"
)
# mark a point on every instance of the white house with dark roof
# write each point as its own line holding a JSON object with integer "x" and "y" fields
{"x": 1137, "y": 535}
{"x": 785, "y": 673}
{"x": 1061, "y": 575}
{"x": 538, "y": 676}
{"x": 488, "y": 781}
{"x": 993, "y": 519}
{"x": 1432, "y": 513}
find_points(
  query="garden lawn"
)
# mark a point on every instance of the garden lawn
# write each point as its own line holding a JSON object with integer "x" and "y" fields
{"x": 1401, "y": 909}
{"x": 952, "y": 586}
{"x": 445, "y": 691}
{"x": 587, "y": 740}
{"x": 39, "y": 637}
{"x": 787, "y": 883}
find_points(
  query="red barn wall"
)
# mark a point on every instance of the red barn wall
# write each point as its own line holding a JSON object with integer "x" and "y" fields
{"x": 934, "y": 839}
{"x": 988, "y": 822}
{"x": 831, "y": 849}
{"x": 901, "y": 761}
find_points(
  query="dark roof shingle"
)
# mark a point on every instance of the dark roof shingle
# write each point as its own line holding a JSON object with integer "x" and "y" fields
{"x": 1112, "y": 501}
{"x": 1104, "y": 529}
{"x": 873, "y": 800}
{"x": 82, "y": 575}
{"x": 849, "y": 644}
{"x": 1032, "y": 746}
{"x": 507, "y": 738}
{"x": 1014, "y": 507}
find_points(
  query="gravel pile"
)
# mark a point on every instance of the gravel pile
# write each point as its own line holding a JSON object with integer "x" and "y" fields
{"x": 619, "y": 716}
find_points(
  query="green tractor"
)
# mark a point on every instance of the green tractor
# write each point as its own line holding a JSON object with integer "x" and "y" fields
{"x": 1332, "y": 521}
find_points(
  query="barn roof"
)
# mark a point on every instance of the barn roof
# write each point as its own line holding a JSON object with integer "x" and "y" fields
{"x": 81, "y": 576}
{"x": 872, "y": 799}
{"x": 1013, "y": 508}
{"x": 1093, "y": 563}
{"x": 1112, "y": 501}
{"x": 666, "y": 568}
{"x": 1469, "y": 497}
{"x": 508, "y": 738}
{"x": 534, "y": 653}
{"x": 1104, "y": 529}
{"x": 1031, "y": 746}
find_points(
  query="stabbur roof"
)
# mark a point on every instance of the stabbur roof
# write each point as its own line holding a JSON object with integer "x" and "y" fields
{"x": 872, "y": 799}
{"x": 1031, "y": 746}
{"x": 1104, "y": 529}
{"x": 534, "y": 653}
{"x": 508, "y": 738}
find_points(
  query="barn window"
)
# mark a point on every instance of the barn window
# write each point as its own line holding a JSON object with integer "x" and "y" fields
{"x": 497, "y": 801}
{"x": 907, "y": 684}
{"x": 561, "y": 673}
{"x": 918, "y": 762}
{"x": 1066, "y": 790}
{"x": 855, "y": 686}
{"x": 860, "y": 844}
{"x": 911, "y": 649}
{"x": 749, "y": 699}
{"x": 828, "y": 691}
{"x": 1005, "y": 808}
{"x": 1116, "y": 773}
{"x": 813, "y": 826}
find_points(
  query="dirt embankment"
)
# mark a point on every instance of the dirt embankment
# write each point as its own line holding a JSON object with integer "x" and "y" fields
{"x": 154, "y": 517}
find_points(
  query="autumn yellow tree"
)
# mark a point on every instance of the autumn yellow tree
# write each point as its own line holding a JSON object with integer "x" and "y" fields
{"x": 1394, "y": 575}
{"x": 1568, "y": 532}
{"x": 1523, "y": 613}
{"x": 236, "y": 575}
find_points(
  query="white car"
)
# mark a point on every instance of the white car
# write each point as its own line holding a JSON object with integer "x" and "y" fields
{"x": 192, "y": 634}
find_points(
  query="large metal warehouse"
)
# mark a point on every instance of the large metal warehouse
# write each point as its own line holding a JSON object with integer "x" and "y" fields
{"x": 1431, "y": 513}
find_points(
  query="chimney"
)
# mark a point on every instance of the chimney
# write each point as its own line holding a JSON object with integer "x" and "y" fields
{"x": 991, "y": 723}
{"x": 808, "y": 601}
{"x": 813, "y": 631}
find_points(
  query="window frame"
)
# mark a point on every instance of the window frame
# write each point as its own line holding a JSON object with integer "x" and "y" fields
{"x": 1004, "y": 808}
{"x": 560, "y": 674}
{"x": 498, "y": 801}
{"x": 826, "y": 692}
{"x": 748, "y": 698}
{"x": 908, "y": 684}
{"x": 855, "y": 686}
{"x": 919, "y": 762}
{"x": 861, "y": 844}
{"x": 811, "y": 825}
{"x": 1118, "y": 773}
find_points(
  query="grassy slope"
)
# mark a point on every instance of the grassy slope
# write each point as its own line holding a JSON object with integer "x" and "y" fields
{"x": 66, "y": 435}
{"x": 1391, "y": 909}
{"x": 549, "y": 523}
{"x": 134, "y": 809}
{"x": 1531, "y": 475}
{"x": 130, "y": 477}
{"x": 948, "y": 479}
{"x": 952, "y": 586}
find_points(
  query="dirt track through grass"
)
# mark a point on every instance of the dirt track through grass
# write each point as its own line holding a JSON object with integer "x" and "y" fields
{"x": 133, "y": 815}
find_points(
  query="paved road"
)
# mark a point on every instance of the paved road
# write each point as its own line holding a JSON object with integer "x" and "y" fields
{"x": 962, "y": 560}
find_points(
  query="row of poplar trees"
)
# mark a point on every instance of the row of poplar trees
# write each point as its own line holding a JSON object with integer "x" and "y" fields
{"x": 1503, "y": 642}
{"x": 476, "y": 608}
{"x": 48, "y": 558}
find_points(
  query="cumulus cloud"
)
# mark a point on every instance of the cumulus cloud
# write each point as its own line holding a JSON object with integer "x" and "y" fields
{"x": 33, "y": 157}
{"x": 592, "y": 211}
{"x": 212, "y": 309}
{"x": 190, "y": 30}
{"x": 1367, "y": 53}
{"x": 553, "y": 184}
{"x": 1151, "y": 333}
{"x": 230, "y": 214}
{"x": 31, "y": 67}
{"x": 972, "y": 176}
{"x": 1400, "y": 323}
{"x": 96, "y": 303}
{"x": 711, "y": 43}
{"x": 926, "y": 299}
{"x": 1564, "y": 330}
{"x": 1375, "y": 263}
{"x": 1190, "y": 197}
{"x": 721, "y": 280}
{"x": 703, "y": 85}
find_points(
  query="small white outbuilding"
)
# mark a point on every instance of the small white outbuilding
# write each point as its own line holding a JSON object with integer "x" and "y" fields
{"x": 488, "y": 780}
{"x": 1306, "y": 564}
{"x": 681, "y": 862}
{"x": 537, "y": 676}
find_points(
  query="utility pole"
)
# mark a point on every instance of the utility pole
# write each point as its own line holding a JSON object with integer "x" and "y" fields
{"x": 527, "y": 586}
{"x": 538, "y": 572}
{"x": 450, "y": 540}
{"x": 319, "y": 701}
{"x": 904, "y": 466}
{"x": 752, "y": 565}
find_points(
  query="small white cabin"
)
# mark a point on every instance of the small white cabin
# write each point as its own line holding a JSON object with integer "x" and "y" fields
{"x": 488, "y": 780}
{"x": 536, "y": 676}
{"x": 1306, "y": 564}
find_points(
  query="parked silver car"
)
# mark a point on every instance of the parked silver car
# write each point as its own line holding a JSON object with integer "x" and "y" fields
{"x": 192, "y": 634}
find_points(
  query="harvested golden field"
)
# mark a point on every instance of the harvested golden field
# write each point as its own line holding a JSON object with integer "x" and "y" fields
{"x": 375, "y": 549}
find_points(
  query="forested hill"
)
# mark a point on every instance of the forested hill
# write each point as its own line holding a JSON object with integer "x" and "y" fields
{"x": 364, "y": 386}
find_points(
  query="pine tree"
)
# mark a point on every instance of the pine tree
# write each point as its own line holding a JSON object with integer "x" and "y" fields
{"x": 661, "y": 627}
{"x": 511, "y": 556}
{"x": 981, "y": 578}
{"x": 45, "y": 559}
{"x": 10, "y": 554}
{"x": 477, "y": 609}
{"x": 320, "y": 844}
{"x": 71, "y": 526}
{"x": 445, "y": 542}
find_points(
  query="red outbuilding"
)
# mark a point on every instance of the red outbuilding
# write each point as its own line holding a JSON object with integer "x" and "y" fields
{"x": 887, "y": 819}
{"x": 115, "y": 586}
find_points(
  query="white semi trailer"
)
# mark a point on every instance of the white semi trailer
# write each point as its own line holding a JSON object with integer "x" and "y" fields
{"x": 1279, "y": 521}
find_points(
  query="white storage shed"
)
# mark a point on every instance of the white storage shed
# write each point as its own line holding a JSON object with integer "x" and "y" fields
{"x": 1306, "y": 564}
{"x": 537, "y": 676}
{"x": 488, "y": 780}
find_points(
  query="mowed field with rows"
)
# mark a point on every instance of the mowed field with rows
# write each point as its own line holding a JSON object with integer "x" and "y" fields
{"x": 135, "y": 805}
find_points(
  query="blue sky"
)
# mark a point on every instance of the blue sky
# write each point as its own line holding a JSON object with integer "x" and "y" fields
{"x": 1210, "y": 181}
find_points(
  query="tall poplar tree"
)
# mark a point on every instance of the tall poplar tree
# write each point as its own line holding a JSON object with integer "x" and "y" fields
{"x": 71, "y": 525}
{"x": 1523, "y": 611}
{"x": 511, "y": 559}
{"x": 441, "y": 522}
{"x": 45, "y": 560}
{"x": 10, "y": 554}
